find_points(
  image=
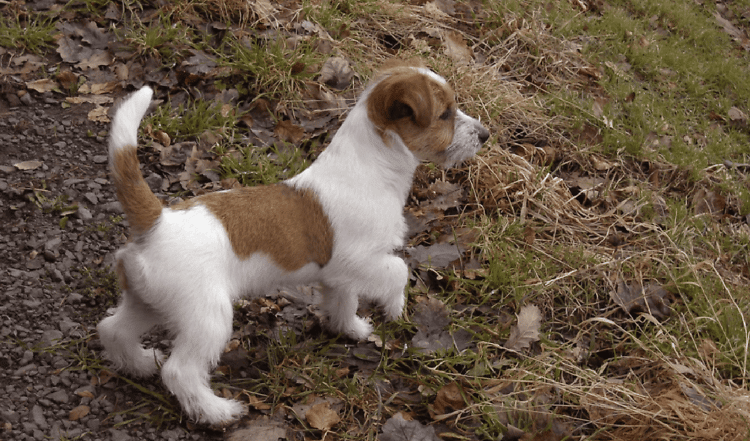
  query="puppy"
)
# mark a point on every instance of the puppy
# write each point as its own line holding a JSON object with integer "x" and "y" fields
{"x": 336, "y": 224}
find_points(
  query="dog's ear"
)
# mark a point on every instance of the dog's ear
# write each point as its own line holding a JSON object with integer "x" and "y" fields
{"x": 403, "y": 95}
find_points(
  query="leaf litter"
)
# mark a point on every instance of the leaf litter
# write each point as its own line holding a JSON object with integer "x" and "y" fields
{"x": 562, "y": 193}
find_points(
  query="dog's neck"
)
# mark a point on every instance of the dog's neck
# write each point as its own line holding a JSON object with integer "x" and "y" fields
{"x": 359, "y": 147}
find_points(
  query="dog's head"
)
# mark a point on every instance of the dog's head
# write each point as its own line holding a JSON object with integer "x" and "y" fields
{"x": 419, "y": 106}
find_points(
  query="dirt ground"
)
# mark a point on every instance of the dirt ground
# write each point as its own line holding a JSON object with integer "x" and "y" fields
{"x": 53, "y": 174}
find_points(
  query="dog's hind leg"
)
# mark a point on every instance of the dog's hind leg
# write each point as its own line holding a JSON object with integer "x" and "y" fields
{"x": 202, "y": 333}
{"x": 121, "y": 332}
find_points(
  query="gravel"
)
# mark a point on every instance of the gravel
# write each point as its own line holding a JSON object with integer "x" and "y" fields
{"x": 54, "y": 258}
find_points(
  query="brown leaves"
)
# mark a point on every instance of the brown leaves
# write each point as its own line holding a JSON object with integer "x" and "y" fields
{"x": 432, "y": 320}
{"x": 635, "y": 297}
{"x": 397, "y": 428}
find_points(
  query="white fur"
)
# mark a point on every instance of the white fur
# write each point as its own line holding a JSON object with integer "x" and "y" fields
{"x": 183, "y": 273}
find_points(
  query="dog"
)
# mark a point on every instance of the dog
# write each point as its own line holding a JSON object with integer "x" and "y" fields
{"x": 336, "y": 224}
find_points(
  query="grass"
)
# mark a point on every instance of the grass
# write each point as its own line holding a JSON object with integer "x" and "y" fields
{"x": 30, "y": 33}
{"x": 608, "y": 125}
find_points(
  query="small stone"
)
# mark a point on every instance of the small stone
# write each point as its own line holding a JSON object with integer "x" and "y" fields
{"x": 84, "y": 213}
{"x": 91, "y": 197}
{"x": 59, "y": 396}
{"x": 51, "y": 337}
{"x": 100, "y": 159}
{"x": 37, "y": 414}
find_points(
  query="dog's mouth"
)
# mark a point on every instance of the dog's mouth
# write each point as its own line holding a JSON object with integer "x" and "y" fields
{"x": 456, "y": 154}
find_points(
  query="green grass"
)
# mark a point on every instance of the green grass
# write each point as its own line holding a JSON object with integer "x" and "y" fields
{"x": 34, "y": 33}
{"x": 667, "y": 75}
{"x": 188, "y": 121}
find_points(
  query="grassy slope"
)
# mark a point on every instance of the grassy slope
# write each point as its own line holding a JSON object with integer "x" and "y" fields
{"x": 603, "y": 189}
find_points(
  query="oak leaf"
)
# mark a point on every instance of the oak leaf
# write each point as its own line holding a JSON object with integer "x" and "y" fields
{"x": 526, "y": 332}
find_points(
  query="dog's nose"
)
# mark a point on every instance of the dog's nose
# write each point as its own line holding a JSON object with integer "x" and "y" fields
{"x": 484, "y": 134}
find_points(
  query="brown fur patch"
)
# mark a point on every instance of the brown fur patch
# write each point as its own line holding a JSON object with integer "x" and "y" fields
{"x": 286, "y": 223}
{"x": 411, "y": 104}
{"x": 140, "y": 205}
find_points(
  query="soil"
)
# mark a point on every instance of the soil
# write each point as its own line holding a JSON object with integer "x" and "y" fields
{"x": 60, "y": 225}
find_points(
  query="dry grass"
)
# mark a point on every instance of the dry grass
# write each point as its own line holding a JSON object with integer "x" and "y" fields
{"x": 599, "y": 224}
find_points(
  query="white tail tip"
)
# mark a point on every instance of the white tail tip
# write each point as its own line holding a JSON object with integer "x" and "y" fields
{"x": 127, "y": 119}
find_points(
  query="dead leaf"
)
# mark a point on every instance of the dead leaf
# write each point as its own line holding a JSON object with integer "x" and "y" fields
{"x": 399, "y": 429}
{"x": 99, "y": 114}
{"x": 98, "y": 88}
{"x": 73, "y": 51}
{"x": 635, "y": 297}
{"x": 438, "y": 256}
{"x": 94, "y": 99}
{"x": 289, "y": 132}
{"x": 97, "y": 58}
{"x": 28, "y": 165}
{"x": 456, "y": 48}
{"x": 449, "y": 398}
{"x": 261, "y": 429}
{"x": 79, "y": 412}
{"x": 336, "y": 73}
{"x": 43, "y": 85}
{"x": 85, "y": 394}
{"x": 526, "y": 331}
{"x": 432, "y": 320}
{"x": 322, "y": 417}
{"x": 708, "y": 201}
{"x": 67, "y": 79}
{"x": 737, "y": 116}
{"x": 265, "y": 11}
{"x": 162, "y": 138}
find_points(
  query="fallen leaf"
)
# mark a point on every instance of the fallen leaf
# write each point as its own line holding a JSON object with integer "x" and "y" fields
{"x": 433, "y": 334}
{"x": 93, "y": 99}
{"x": 28, "y": 165}
{"x": 261, "y": 429}
{"x": 72, "y": 51}
{"x": 634, "y": 298}
{"x": 526, "y": 332}
{"x": 456, "y": 48}
{"x": 399, "y": 429}
{"x": 99, "y": 114}
{"x": 708, "y": 201}
{"x": 336, "y": 73}
{"x": 449, "y": 398}
{"x": 322, "y": 417}
{"x": 43, "y": 85}
{"x": 289, "y": 132}
{"x": 737, "y": 116}
{"x": 79, "y": 412}
{"x": 67, "y": 79}
{"x": 264, "y": 10}
{"x": 438, "y": 256}
{"x": 97, "y": 58}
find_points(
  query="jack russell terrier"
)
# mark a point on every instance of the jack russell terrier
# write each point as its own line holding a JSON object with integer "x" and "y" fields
{"x": 336, "y": 224}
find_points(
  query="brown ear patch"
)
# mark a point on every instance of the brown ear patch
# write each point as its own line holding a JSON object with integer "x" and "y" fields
{"x": 286, "y": 223}
{"x": 410, "y": 103}
{"x": 401, "y": 95}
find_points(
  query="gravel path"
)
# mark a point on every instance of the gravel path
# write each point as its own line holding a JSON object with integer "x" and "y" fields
{"x": 54, "y": 261}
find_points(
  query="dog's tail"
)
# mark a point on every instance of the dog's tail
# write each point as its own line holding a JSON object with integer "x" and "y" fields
{"x": 140, "y": 205}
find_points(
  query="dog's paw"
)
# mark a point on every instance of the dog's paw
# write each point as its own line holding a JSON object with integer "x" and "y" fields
{"x": 145, "y": 364}
{"x": 219, "y": 412}
{"x": 395, "y": 307}
{"x": 356, "y": 328}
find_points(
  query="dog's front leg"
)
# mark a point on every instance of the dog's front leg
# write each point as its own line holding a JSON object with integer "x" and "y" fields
{"x": 387, "y": 277}
{"x": 380, "y": 279}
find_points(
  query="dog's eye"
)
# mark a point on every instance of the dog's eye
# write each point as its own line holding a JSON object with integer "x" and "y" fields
{"x": 447, "y": 114}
